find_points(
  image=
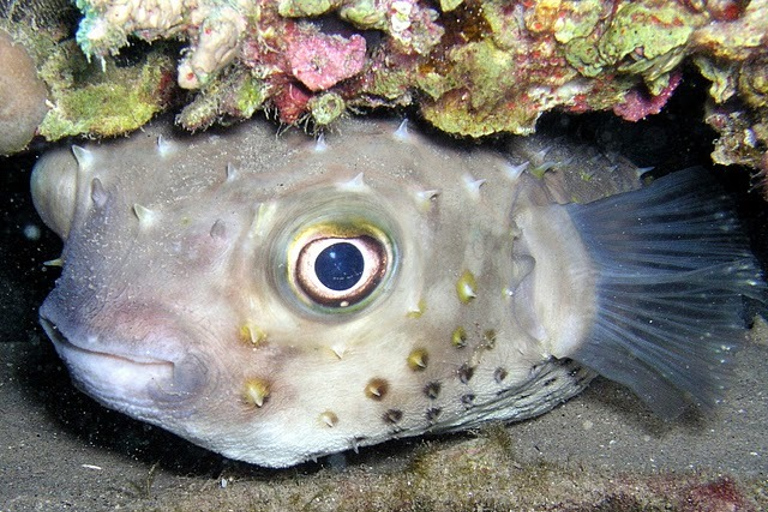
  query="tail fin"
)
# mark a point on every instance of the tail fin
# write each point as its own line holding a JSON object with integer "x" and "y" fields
{"x": 673, "y": 265}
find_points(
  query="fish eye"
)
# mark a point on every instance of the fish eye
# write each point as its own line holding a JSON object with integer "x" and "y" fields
{"x": 340, "y": 271}
{"x": 336, "y": 256}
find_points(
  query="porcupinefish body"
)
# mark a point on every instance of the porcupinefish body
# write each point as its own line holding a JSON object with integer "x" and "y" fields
{"x": 275, "y": 298}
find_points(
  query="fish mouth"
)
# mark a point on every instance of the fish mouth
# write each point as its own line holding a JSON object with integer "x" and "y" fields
{"x": 131, "y": 383}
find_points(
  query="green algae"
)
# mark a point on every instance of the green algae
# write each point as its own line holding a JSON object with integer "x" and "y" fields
{"x": 102, "y": 101}
{"x": 582, "y": 19}
{"x": 643, "y": 39}
{"x": 298, "y": 8}
{"x": 471, "y": 99}
{"x": 723, "y": 78}
{"x": 100, "y": 98}
{"x": 449, "y": 5}
{"x": 250, "y": 93}
{"x": 364, "y": 14}
{"x": 326, "y": 108}
{"x": 753, "y": 82}
{"x": 238, "y": 95}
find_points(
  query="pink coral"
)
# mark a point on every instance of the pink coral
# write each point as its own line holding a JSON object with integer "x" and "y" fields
{"x": 638, "y": 104}
{"x": 718, "y": 496}
{"x": 320, "y": 61}
{"x": 291, "y": 101}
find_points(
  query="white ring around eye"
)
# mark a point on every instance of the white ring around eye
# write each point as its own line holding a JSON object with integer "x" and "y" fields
{"x": 374, "y": 267}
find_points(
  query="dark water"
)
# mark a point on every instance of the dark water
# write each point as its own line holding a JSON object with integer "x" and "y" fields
{"x": 25, "y": 244}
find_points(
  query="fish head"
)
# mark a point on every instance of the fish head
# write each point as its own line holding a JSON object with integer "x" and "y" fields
{"x": 276, "y": 298}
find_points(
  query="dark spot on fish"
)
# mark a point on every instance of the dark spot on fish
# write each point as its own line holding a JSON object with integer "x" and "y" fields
{"x": 499, "y": 375}
{"x": 432, "y": 414}
{"x": 489, "y": 339}
{"x": 549, "y": 382}
{"x": 432, "y": 390}
{"x": 376, "y": 389}
{"x": 218, "y": 230}
{"x": 468, "y": 400}
{"x": 392, "y": 416}
{"x": 465, "y": 373}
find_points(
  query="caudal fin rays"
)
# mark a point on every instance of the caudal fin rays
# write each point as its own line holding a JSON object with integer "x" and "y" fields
{"x": 673, "y": 266}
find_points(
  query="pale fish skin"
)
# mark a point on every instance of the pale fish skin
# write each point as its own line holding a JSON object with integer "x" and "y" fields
{"x": 188, "y": 296}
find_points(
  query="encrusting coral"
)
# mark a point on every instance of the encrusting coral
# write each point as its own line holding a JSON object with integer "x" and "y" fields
{"x": 475, "y": 67}
{"x": 82, "y": 98}
{"x": 471, "y": 67}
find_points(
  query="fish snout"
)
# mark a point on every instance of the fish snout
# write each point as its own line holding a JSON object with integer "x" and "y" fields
{"x": 139, "y": 361}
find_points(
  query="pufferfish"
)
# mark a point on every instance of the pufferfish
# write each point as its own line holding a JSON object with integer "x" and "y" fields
{"x": 275, "y": 298}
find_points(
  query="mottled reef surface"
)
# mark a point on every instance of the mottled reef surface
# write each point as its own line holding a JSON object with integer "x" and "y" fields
{"x": 469, "y": 67}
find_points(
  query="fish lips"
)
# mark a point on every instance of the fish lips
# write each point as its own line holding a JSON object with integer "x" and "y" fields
{"x": 144, "y": 384}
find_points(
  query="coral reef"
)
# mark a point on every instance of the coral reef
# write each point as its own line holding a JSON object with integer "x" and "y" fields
{"x": 471, "y": 67}
{"x": 475, "y": 67}
{"x": 107, "y": 100}
{"x": 95, "y": 99}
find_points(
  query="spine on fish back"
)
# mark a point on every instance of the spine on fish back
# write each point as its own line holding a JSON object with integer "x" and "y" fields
{"x": 671, "y": 266}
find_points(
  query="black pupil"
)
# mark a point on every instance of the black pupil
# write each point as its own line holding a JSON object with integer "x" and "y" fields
{"x": 340, "y": 266}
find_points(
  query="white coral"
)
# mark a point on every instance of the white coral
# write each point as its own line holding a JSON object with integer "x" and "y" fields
{"x": 213, "y": 27}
